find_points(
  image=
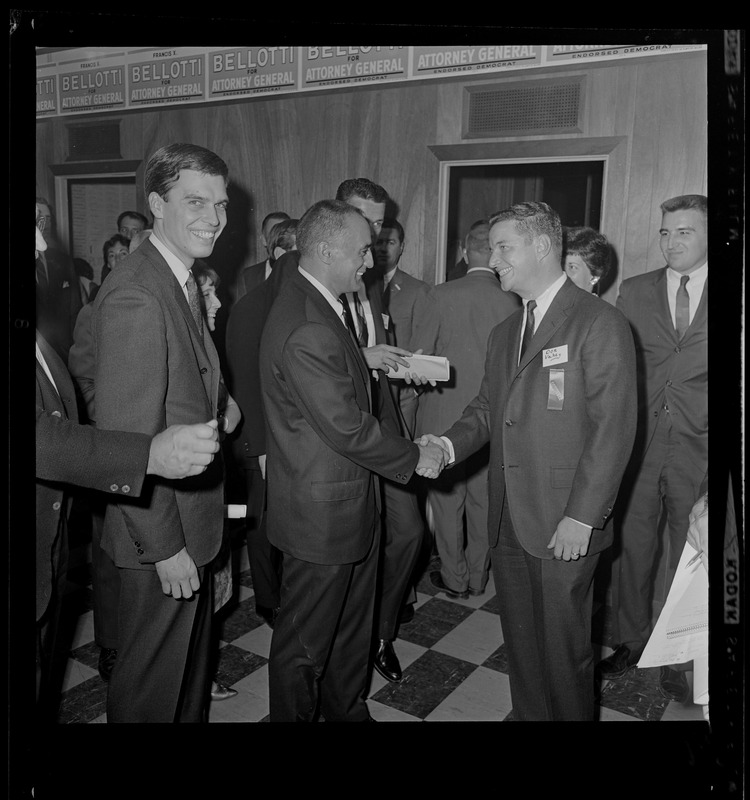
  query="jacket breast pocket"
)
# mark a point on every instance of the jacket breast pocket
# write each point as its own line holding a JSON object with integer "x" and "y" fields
{"x": 334, "y": 491}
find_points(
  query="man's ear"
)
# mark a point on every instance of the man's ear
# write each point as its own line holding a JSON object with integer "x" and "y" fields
{"x": 324, "y": 251}
{"x": 543, "y": 246}
{"x": 155, "y": 203}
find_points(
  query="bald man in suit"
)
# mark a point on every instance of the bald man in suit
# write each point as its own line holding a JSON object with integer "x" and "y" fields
{"x": 326, "y": 450}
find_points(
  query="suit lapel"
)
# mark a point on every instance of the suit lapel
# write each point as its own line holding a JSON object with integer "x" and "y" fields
{"x": 556, "y": 314}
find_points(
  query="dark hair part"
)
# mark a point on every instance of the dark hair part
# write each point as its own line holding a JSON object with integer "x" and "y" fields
{"x": 279, "y": 215}
{"x": 363, "y": 188}
{"x": 135, "y": 215}
{"x": 323, "y": 221}
{"x": 532, "y": 219}
{"x": 590, "y": 246}
{"x": 686, "y": 202}
{"x": 283, "y": 234}
{"x": 118, "y": 238}
{"x": 202, "y": 272}
{"x": 394, "y": 225}
{"x": 164, "y": 166}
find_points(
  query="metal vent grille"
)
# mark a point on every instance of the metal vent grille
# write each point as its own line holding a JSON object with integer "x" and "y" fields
{"x": 524, "y": 108}
{"x": 95, "y": 141}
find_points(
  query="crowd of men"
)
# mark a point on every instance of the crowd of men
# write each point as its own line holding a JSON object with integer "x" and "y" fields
{"x": 568, "y": 425}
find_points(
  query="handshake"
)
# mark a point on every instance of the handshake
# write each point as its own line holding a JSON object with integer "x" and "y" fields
{"x": 433, "y": 455}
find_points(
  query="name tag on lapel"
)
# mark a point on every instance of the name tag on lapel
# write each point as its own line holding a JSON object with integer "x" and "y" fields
{"x": 555, "y": 355}
{"x": 386, "y": 320}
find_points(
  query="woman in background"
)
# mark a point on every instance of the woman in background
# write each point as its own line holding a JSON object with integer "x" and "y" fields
{"x": 587, "y": 256}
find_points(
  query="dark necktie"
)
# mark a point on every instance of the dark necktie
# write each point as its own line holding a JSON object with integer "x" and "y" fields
{"x": 387, "y": 296}
{"x": 194, "y": 301}
{"x": 528, "y": 330}
{"x": 682, "y": 308}
{"x": 42, "y": 280}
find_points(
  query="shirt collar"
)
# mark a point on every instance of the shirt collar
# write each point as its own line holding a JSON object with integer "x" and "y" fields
{"x": 181, "y": 272}
{"x": 696, "y": 276}
{"x": 332, "y": 301}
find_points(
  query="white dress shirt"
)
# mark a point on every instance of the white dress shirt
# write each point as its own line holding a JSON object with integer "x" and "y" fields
{"x": 181, "y": 272}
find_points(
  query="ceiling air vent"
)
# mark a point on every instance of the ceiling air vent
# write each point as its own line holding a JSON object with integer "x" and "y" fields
{"x": 524, "y": 108}
{"x": 94, "y": 141}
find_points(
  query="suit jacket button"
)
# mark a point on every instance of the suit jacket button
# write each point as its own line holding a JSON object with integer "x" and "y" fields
{"x": 204, "y": 370}
{"x": 114, "y": 487}
{"x": 140, "y": 552}
{"x": 56, "y": 506}
{"x": 125, "y": 489}
{"x": 508, "y": 422}
{"x": 56, "y": 414}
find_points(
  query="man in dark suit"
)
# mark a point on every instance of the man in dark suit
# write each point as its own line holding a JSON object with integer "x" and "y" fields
{"x": 403, "y": 298}
{"x": 58, "y": 296}
{"x": 325, "y": 448}
{"x": 255, "y": 274}
{"x": 557, "y": 406}
{"x": 668, "y": 312}
{"x": 155, "y": 367}
{"x": 404, "y": 528}
{"x": 114, "y": 462}
{"x": 244, "y": 330}
{"x": 457, "y": 325}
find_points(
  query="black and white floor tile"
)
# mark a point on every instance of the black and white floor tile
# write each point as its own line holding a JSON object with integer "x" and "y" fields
{"x": 452, "y": 654}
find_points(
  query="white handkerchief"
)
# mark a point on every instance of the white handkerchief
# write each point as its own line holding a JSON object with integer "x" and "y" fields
{"x": 555, "y": 355}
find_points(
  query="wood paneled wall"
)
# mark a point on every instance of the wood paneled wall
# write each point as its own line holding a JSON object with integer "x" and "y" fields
{"x": 284, "y": 153}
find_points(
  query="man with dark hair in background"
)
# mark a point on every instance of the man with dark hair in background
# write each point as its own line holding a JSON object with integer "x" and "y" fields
{"x": 129, "y": 223}
{"x": 668, "y": 312}
{"x": 58, "y": 294}
{"x": 403, "y": 523}
{"x": 255, "y": 274}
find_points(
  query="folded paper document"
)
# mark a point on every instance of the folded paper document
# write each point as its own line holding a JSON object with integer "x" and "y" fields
{"x": 434, "y": 368}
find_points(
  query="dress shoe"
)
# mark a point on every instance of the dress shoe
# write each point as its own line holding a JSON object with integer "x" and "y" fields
{"x": 617, "y": 664}
{"x": 673, "y": 684}
{"x": 476, "y": 592}
{"x": 437, "y": 581}
{"x": 107, "y": 658}
{"x": 221, "y": 692}
{"x": 268, "y": 615}
{"x": 407, "y": 614}
{"x": 386, "y": 661}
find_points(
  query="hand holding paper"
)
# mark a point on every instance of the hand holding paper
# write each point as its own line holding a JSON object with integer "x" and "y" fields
{"x": 427, "y": 369}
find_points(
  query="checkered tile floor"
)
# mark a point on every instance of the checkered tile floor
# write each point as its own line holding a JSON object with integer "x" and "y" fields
{"x": 451, "y": 652}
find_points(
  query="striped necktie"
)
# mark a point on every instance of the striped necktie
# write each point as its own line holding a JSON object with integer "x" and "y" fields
{"x": 194, "y": 301}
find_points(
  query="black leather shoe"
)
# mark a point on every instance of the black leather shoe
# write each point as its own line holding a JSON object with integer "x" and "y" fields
{"x": 673, "y": 684}
{"x": 476, "y": 592}
{"x": 386, "y": 661}
{"x": 107, "y": 658}
{"x": 437, "y": 581}
{"x": 617, "y": 664}
{"x": 268, "y": 615}
{"x": 221, "y": 692}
